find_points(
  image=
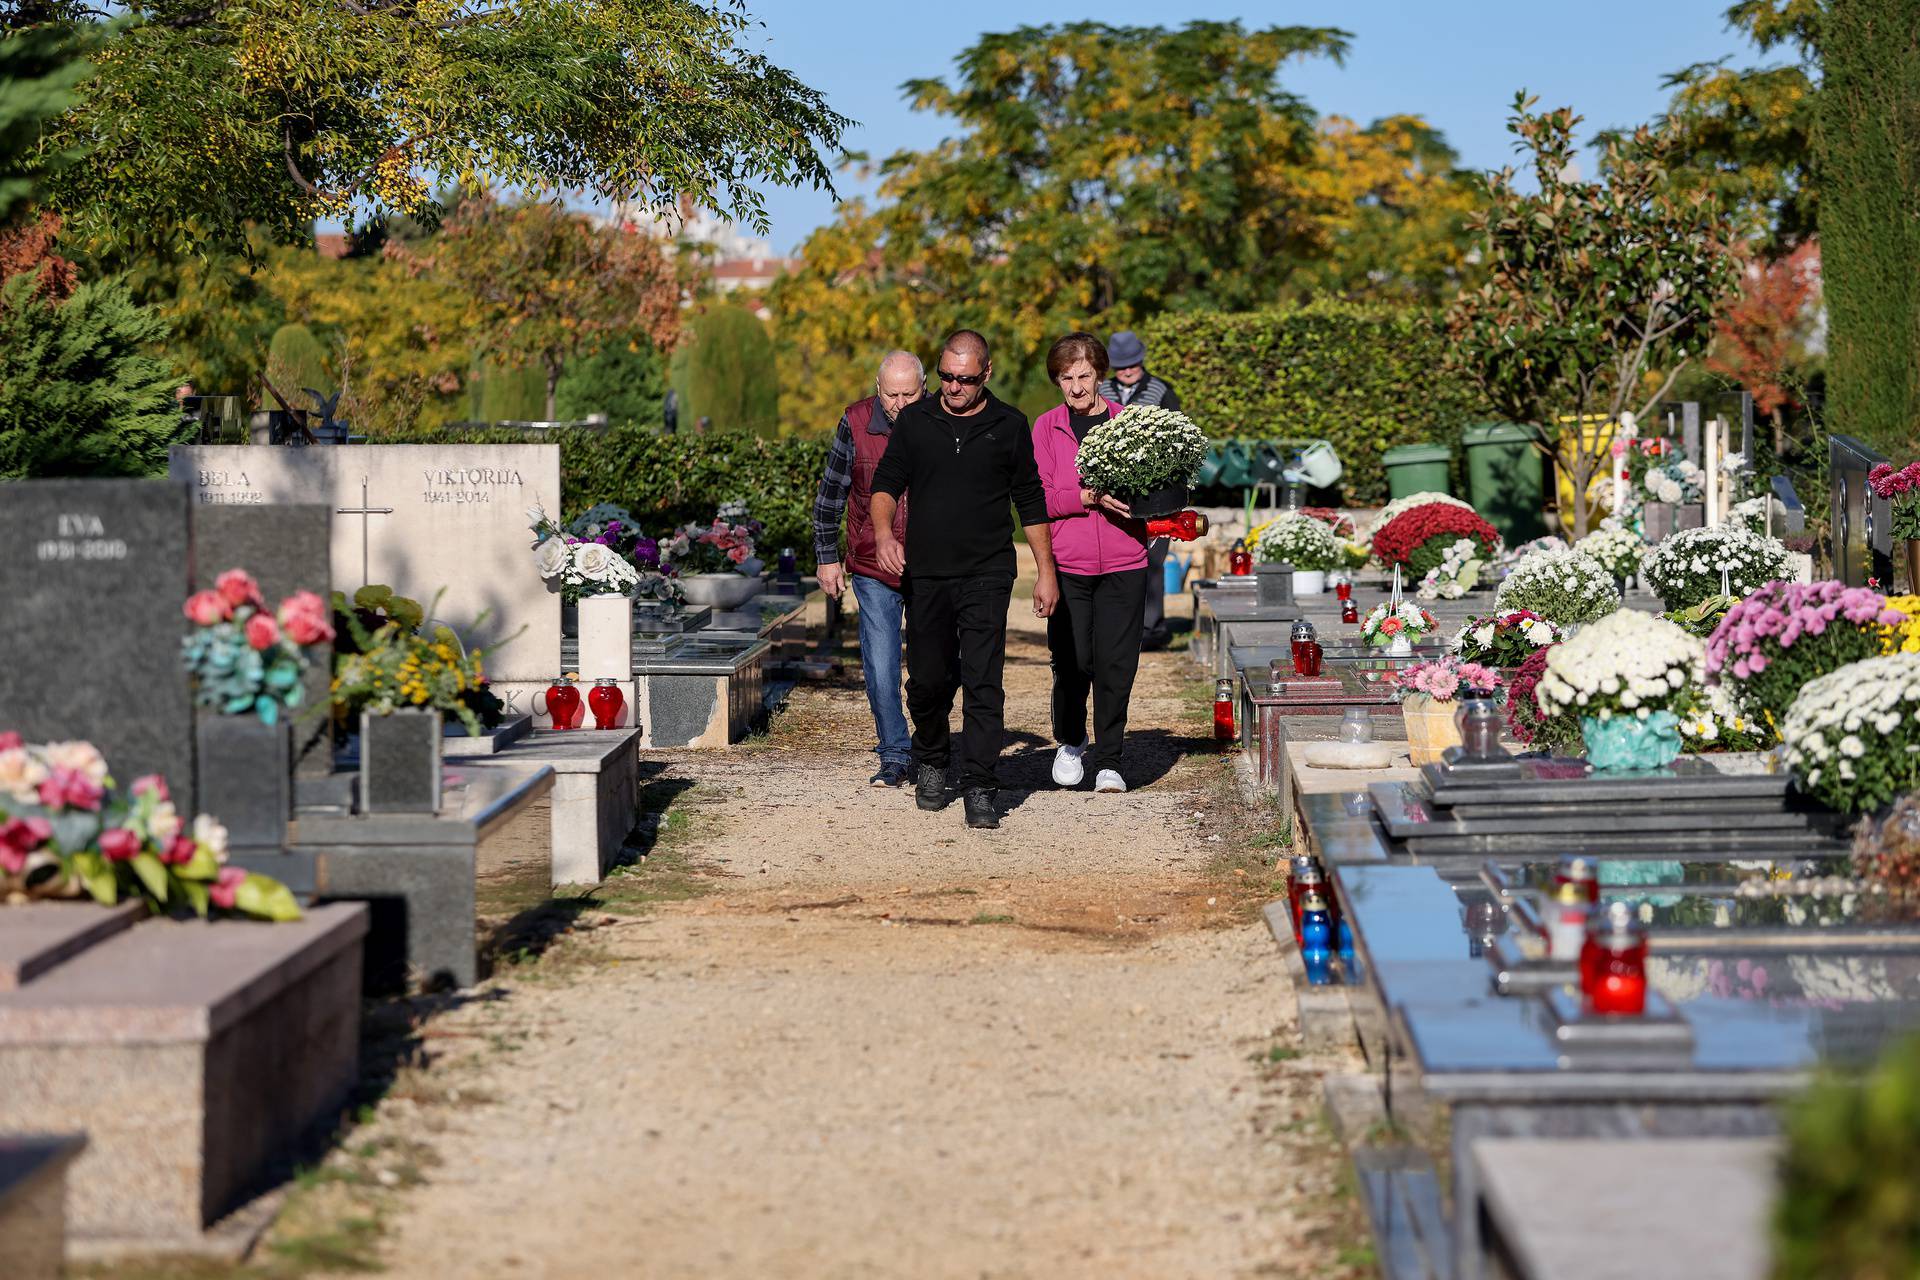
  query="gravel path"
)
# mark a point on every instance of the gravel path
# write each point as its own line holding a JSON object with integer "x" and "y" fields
{"x": 884, "y": 1045}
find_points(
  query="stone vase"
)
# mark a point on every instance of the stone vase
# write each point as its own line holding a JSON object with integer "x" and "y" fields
{"x": 1658, "y": 519}
{"x": 246, "y": 778}
{"x": 720, "y": 590}
{"x": 400, "y": 762}
{"x": 606, "y": 638}
{"x": 1690, "y": 515}
{"x": 1276, "y": 585}
{"x": 1431, "y": 727}
{"x": 1630, "y": 743}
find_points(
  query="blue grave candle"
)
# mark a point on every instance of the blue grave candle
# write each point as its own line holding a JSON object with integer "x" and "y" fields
{"x": 1319, "y": 965}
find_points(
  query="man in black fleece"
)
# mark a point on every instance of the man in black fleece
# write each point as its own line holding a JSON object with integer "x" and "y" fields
{"x": 965, "y": 457}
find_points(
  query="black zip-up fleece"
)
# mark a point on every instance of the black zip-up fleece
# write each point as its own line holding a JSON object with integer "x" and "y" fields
{"x": 963, "y": 473}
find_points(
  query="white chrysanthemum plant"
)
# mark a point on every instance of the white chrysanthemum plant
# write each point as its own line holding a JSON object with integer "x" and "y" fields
{"x": 1627, "y": 677}
{"x": 1309, "y": 545}
{"x": 1853, "y": 735}
{"x": 1457, "y": 573}
{"x": 1399, "y": 505}
{"x": 1566, "y": 588}
{"x": 1727, "y": 559}
{"x": 1619, "y": 549}
{"x": 1142, "y": 450}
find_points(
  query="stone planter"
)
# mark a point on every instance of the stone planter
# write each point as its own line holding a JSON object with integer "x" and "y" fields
{"x": 1689, "y": 515}
{"x": 1431, "y": 728}
{"x": 1309, "y": 582}
{"x": 1658, "y": 521}
{"x": 1276, "y": 585}
{"x": 400, "y": 762}
{"x": 606, "y": 638}
{"x": 720, "y": 590}
{"x": 246, "y": 778}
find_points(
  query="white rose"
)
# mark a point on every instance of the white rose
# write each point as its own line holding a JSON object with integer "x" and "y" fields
{"x": 208, "y": 831}
{"x": 550, "y": 557}
{"x": 593, "y": 561}
{"x": 165, "y": 823}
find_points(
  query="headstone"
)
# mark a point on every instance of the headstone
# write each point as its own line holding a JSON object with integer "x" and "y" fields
{"x": 1690, "y": 430}
{"x": 418, "y": 518}
{"x": 286, "y": 550}
{"x": 1862, "y": 525}
{"x": 93, "y": 574}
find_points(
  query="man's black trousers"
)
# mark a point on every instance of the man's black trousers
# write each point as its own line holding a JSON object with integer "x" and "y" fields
{"x": 957, "y": 640}
{"x": 1094, "y": 640}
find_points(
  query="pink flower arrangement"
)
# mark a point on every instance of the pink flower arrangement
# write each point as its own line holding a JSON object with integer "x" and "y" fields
{"x": 306, "y": 619}
{"x": 1901, "y": 486}
{"x": 244, "y": 658}
{"x": 1443, "y": 678}
{"x": 225, "y": 890}
{"x": 1788, "y": 633}
{"x": 20, "y": 837}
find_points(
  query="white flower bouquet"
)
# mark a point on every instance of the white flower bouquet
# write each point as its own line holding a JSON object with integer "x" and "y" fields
{"x": 1457, "y": 573}
{"x": 1300, "y": 540}
{"x": 1714, "y": 720}
{"x": 1675, "y": 480}
{"x": 1504, "y": 639}
{"x": 1388, "y": 623}
{"x": 1627, "y": 664}
{"x": 580, "y": 568}
{"x": 1618, "y": 549}
{"x": 1686, "y": 568}
{"x": 1564, "y": 587}
{"x": 1141, "y": 450}
{"x": 1853, "y": 735}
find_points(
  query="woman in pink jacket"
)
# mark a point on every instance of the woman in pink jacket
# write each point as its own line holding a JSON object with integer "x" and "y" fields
{"x": 1101, "y": 551}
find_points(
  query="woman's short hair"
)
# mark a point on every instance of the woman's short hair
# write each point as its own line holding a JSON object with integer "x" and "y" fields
{"x": 1074, "y": 348}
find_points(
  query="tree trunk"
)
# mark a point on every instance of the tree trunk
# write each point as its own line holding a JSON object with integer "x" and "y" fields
{"x": 554, "y": 367}
{"x": 1582, "y": 474}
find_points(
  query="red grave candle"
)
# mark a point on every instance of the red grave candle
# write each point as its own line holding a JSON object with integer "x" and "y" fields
{"x": 563, "y": 704}
{"x": 1613, "y": 962}
{"x": 607, "y": 702}
{"x": 1223, "y": 711}
{"x": 1239, "y": 562}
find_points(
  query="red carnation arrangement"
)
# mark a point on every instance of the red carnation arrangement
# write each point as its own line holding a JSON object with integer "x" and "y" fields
{"x": 1417, "y": 539}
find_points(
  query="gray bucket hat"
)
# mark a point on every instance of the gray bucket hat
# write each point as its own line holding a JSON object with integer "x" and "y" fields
{"x": 1124, "y": 350}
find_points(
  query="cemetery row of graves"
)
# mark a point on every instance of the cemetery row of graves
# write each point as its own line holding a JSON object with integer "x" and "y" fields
{"x": 1598, "y": 848}
{"x": 1602, "y": 854}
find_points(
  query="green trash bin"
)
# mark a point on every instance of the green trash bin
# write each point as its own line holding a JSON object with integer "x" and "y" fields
{"x": 1505, "y": 480}
{"x": 1417, "y": 468}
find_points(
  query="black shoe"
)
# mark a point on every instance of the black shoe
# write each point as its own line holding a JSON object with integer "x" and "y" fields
{"x": 980, "y": 809}
{"x": 1155, "y": 640}
{"x": 891, "y": 774}
{"x": 930, "y": 791}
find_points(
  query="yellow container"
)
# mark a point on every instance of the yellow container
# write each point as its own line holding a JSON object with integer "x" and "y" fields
{"x": 1594, "y": 428}
{"x": 1430, "y": 727}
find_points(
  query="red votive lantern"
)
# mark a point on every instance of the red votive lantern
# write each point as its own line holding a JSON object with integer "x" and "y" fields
{"x": 1239, "y": 561}
{"x": 1349, "y": 613}
{"x": 607, "y": 702}
{"x": 563, "y": 704}
{"x": 1342, "y": 589}
{"x": 1305, "y": 881}
{"x": 1613, "y": 962}
{"x": 1300, "y": 638}
{"x": 1580, "y": 872}
{"x": 1223, "y": 711}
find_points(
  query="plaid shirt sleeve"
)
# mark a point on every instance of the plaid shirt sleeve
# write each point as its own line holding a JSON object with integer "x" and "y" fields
{"x": 830, "y": 504}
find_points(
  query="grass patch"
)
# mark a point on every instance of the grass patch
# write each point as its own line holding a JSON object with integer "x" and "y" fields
{"x": 987, "y": 918}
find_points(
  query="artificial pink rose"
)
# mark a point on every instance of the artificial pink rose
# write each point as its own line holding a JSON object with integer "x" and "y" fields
{"x": 237, "y": 587}
{"x": 224, "y": 890}
{"x": 20, "y": 837}
{"x": 69, "y": 789}
{"x": 262, "y": 631}
{"x": 82, "y": 757}
{"x": 204, "y": 608}
{"x": 178, "y": 851}
{"x": 151, "y": 782}
{"x": 305, "y": 618}
{"x": 118, "y": 844}
{"x": 737, "y": 554}
{"x": 11, "y": 741}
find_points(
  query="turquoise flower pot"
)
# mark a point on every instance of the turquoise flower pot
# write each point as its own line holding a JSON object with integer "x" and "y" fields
{"x": 1628, "y": 742}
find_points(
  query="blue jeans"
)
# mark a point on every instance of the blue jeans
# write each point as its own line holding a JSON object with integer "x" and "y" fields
{"x": 880, "y": 614}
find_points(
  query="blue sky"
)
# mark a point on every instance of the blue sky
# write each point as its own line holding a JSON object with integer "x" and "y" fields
{"x": 1455, "y": 62}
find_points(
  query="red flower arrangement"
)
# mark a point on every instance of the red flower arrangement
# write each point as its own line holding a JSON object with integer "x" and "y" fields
{"x": 1900, "y": 486}
{"x": 1557, "y": 733}
{"x": 1418, "y": 539}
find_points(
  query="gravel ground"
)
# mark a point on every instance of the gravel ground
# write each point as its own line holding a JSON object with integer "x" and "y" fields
{"x": 884, "y": 1045}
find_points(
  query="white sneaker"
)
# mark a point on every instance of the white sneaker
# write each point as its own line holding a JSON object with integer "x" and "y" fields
{"x": 1067, "y": 769}
{"x": 1109, "y": 780}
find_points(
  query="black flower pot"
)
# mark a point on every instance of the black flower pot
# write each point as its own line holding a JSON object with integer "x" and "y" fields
{"x": 400, "y": 762}
{"x": 246, "y": 778}
{"x": 1161, "y": 502}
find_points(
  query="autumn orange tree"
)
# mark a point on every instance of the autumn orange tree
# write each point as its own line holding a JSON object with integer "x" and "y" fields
{"x": 543, "y": 285}
{"x": 1101, "y": 175}
{"x": 1761, "y": 334}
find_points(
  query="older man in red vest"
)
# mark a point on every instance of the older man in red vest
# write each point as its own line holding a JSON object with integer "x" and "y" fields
{"x": 847, "y": 489}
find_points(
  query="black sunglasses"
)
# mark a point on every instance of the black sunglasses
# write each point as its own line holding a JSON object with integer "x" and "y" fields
{"x": 964, "y": 379}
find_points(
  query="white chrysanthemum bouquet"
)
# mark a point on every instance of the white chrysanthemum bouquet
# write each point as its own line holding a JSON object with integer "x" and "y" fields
{"x": 1687, "y": 567}
{"x": 1628, "y": 663}
{"x": 1853, "y": 735}
{"x": 1564, "y": 587}
{"x": 1141, "y": 450}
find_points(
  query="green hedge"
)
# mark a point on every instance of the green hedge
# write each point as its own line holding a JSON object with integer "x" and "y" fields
{"x": 669, "y": 480}
{"x": 1364, "y": 376}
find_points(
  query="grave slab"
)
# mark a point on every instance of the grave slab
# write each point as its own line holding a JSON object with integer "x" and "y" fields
{"x": 93, "y": 574}
{"x": 595, "y": 798}
{"x": 194, "y": 1055}
{"x": 39, "y": 935}
{"x": 418, "y": 518}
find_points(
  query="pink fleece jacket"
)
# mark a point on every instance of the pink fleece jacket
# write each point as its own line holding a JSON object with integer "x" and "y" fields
{"x": 1084, "y": 542}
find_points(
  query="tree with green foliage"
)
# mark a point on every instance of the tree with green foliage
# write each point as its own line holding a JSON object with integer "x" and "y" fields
{"x": 1746, "y": 132}
{"x": 1869, "y": 160}
{"x": 210, "y": 117}
{"x": 627, "y": 381}
{"x": 1102, "y": 175}
{"x": 726, "y": 373}
{"x": 1599, "y": 293}
{"x": 40, "y": 69}
{"x": 297, "y": 363}
{"x": 79, "y": 393}
{"x": 545, "y": 286}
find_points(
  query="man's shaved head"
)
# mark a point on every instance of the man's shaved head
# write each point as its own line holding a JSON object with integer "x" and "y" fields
{"x": 965, "y": 342}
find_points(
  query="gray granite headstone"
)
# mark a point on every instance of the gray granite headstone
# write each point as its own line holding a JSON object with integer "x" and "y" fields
{"x": 1862, "y": 525}
{"x": 93, "y": 574}
{"x": 285, "y": 548}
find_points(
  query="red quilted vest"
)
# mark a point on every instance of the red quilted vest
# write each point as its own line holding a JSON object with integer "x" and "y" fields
{"x": 862, "y": 556}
